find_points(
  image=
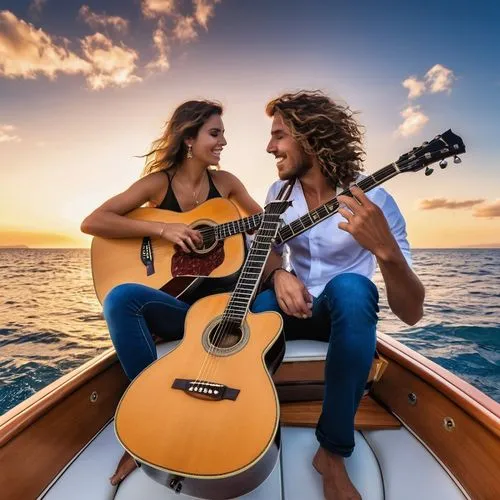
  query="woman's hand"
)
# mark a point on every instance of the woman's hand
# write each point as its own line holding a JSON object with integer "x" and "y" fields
{"x": 181, "y": 234}
{"x": 292, "y": 295}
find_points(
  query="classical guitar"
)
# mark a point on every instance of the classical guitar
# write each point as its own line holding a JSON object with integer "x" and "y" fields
{"x": 157, "y": 263}
{"x": 204, "y": 419}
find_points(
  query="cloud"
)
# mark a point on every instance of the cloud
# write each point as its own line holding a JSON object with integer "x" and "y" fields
{"x": 112, "y": 65}
{"x": 157, "y": 8}
{"x": 36, "y": 6}
{"x": 7, "y": 134}
{"x": 161, "y": 43}
{"x": 102, "y": 20}
{"x": 414, "y": 121}
{"x": 26, "y": 51}
{"x": 416, "y": 87}
{"x": 184, "y": 29}
{"x": 434, "y": 203}
{"x": 488, "y": 210}
{"x": 204, "y": 10}
{"x": 437, "y": 79}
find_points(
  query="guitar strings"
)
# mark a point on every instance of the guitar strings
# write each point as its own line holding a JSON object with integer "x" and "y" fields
{"x": 212, "y": 367}
{"x": 224, "y": 326}
{"x": 209, "y": 365}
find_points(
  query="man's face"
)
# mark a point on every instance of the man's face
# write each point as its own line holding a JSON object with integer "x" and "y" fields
{"x": 292, "y": 161}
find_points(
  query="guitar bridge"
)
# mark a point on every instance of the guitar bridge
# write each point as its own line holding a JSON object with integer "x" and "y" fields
{"x": 205, "y": 390}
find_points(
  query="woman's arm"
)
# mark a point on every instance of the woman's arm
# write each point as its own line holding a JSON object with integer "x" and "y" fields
{"x": 108, "y": 220}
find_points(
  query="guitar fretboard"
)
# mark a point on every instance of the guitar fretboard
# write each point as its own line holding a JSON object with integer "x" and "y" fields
{"x": 248, "y": 280}
{"x": 227, "y": 229}
{"x": 331, "y": 207}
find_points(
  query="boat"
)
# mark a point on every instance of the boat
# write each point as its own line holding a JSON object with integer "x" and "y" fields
{"x": 421, "y": 433}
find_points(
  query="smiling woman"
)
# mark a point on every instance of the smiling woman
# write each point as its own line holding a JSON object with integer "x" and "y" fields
{"x": 176, "y": 178}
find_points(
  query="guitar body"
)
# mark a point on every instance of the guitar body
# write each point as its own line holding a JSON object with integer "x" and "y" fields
{"x": 118, "y": 260}
{"x": 208, "y": 447}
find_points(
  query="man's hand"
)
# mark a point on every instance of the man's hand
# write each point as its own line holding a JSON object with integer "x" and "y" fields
{"x": 292, "y": 295}
{"x": 367, "y": 224}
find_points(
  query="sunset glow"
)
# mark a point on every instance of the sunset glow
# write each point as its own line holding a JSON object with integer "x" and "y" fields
{"x": 86, "y": 87}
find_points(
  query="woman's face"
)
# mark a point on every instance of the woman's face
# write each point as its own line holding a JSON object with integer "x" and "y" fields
{"x": 209, "y": 142}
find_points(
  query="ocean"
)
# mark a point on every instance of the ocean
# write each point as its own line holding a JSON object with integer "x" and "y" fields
{"x": 50, "y": 319}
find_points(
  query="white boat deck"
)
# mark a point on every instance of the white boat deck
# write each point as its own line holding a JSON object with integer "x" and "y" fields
{"x": 386, "y": 464}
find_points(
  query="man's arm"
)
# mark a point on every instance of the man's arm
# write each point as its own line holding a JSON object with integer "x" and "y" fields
{"x": 405, "y": 292}
{"x": 367, "y": 224}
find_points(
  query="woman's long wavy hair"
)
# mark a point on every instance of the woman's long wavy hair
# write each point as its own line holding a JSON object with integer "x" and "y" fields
{"x": 170, "y": 150}
{"x": 325, "y": 130}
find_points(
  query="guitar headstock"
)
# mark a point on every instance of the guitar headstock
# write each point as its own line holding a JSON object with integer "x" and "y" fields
{"x": 441, "y": 147}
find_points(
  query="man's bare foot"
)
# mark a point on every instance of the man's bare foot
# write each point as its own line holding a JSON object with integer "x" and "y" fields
{"x": 336, "y": 482}
{"x": 125, "y": 466}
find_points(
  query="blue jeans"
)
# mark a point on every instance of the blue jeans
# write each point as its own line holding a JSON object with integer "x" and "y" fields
{"x": 345, "y": 316}
{"x": 132, "y": 313}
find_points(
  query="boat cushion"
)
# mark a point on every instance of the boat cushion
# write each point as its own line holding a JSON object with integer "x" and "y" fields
{"x": 300, "y": 479}
{"x": 394, "y": 455}
{"x": 409, "y": 470}
{"x": 139, "y": 485}
{"x": 87, "y": 477}
{"x": 296, "y": 350}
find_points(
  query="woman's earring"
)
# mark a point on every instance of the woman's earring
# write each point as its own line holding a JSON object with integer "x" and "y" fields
{"x": 190, "y": 152}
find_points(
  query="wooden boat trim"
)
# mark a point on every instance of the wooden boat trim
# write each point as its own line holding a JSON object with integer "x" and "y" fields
{"x": 464, "y": 441}
{"x": 463, "y": 394}
{"x": 477, "y": 404}
{"x": 24, "y": 414}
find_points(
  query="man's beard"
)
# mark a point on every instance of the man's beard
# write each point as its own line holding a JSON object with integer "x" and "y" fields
{"x": 298, "y": 170}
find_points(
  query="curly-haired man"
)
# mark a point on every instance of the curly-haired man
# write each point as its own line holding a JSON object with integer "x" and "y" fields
{"x": 329, "y": 294}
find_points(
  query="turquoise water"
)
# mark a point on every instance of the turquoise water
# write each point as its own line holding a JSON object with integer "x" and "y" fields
{"x": 50, "y": 320}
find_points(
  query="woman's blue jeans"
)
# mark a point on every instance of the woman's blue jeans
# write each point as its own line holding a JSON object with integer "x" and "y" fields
{"x": 133, "y": 312}
{"x": 345, "y": 316}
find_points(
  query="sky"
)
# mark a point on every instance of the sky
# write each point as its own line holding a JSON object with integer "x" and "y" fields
{"x": 86, "y": 86}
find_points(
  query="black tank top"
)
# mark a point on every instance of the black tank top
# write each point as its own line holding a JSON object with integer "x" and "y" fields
{"x": 170, "y": 201}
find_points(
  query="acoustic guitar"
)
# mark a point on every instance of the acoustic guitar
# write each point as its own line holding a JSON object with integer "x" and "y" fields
{"x": 157, "y": 263}
{"x": 204, "y": 419}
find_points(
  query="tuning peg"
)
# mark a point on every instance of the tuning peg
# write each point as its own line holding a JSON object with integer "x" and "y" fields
{"x": 428, "y": 171}
{"x": 425, "y": 143}
{"x": 457, "y": 159}
{"x": 443, "y": 163}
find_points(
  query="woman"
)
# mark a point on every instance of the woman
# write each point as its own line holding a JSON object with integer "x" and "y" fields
{"x": 176, "y": 177}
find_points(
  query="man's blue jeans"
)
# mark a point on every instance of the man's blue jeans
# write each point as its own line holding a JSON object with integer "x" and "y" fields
{"x": 132, "y": 313}
{"x": 345, "y": 316}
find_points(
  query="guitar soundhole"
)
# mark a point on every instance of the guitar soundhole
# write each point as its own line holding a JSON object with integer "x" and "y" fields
{"x": 208, "y": 237}
{"x": 225, "y": 335}
{"x": 208, "y": 234}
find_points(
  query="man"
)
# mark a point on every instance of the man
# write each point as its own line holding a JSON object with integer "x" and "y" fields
{"x": 330, "y": 295}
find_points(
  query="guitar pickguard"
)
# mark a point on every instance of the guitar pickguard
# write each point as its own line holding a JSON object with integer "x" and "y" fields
{"x": 192, "y": 264}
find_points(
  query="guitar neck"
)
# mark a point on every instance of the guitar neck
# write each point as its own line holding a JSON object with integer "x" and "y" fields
{"x": 238, "y": 226}
{"x": 331, "y": 207}
{"x": 251, "y": 272}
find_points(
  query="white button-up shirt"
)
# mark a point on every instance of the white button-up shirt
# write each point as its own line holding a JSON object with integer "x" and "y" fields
{"x": 324, "y": 251}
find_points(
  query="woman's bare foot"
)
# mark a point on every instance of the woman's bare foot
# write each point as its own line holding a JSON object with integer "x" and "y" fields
{"x": 125, "y": 466}
{"x": 336, "y": 482}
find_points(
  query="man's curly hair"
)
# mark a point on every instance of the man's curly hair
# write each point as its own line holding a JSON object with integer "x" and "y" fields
{"x": 325, "y": 130}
